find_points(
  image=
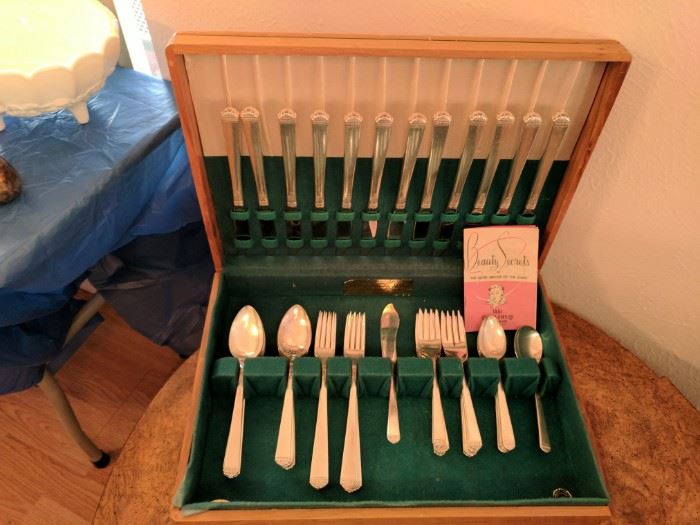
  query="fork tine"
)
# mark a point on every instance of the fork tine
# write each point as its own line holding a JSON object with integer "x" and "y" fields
{"x": 462, "y": 328}
{"x": 362, "y": 339}
{"x": 436, "y": 327}
{"x": 326, "y": 329}
{"x": 346, "y": 338}
{"x": 319, "y": 323}
{"x": 334, "y": 321}
{"x": 443, "y": 328}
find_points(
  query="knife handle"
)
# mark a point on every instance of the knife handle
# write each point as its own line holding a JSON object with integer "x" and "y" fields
{"x": 393, "y": 431}
{"x": 319, "y": 132}
{"x": 252, "y": 132}
{"x": 285, "y": 454}
{"x": 230, "y": 120}
{"x": 287, "y": 119}
{"x": 234, "y": 444}
{"x": 560, "y": 123}
{"x": 477, "y": 123}
{"x": 416, "y": 129}
{"x": 504, "y": 119}
{"x": 382, "y": 128}
{"x": 441, "y": 125}
{"x": 531, "y": 125}
{"x": 353, "y": 122}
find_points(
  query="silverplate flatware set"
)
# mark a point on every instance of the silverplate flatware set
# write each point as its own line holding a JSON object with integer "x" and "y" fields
{"x": 435, "y": 332}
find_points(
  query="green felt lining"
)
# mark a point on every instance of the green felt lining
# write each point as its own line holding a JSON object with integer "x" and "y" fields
{"x": 394, "y": 475}
{"x": 521, "y": 376}
{"x": 220, "y": 184}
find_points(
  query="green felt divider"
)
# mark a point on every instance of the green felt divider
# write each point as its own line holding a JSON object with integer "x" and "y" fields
{"x": 374, "y": 375}
{"x": 474, "y": 219}
{"x": 550, "y": 377}
{"x": 368, "y": 243}
{"x": 423, "y": 216}
{"x": 525, "y": 219}
{"x": 240, "y": 215}
{"x": 449, "y": 217}
{"x": 416, "y": 244}
{"x": 307, "y": 376}
{"x": 295, "y": 244}
{"x": 343, "y": 243}
{"x": 440, "y": 246}
{"x": 521, "y": 376}
{"x": 243, "y": 244}
{"x": 483, "y": 376}
{"x": 500, "y": 219}
{"x": 338, "y": 379}
{"x": 265, "y": 376}
{"x": 294, "y": 215}
{"x": 269, "y": 243}
{"x": 395, "y": 216}
{"x": 348, "y": 216}
{"x": 371, "y": 216}
{"x": 450, "y": 374}
{"x": 224, "y": 375}
{"x": 414, "y": 377}
{"x": 392, "y": 243}
{"x": 319, "y": 215}
{"x": 318, "y": 243}
{"x": 266, "y": 215}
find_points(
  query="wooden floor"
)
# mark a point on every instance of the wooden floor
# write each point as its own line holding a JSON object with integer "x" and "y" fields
{"x": 44, "y": 478}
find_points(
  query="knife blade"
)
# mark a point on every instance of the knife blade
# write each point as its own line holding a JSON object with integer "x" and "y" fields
{"x": 287, "y": 118}
{"x": 382, "y": 129}
{"x": 560, "y": 123}
{"x": 353, "y": 123}
{"x": 441, "y": 125}
{"x": 230, "y": 120}
{"x": 319, "y": 132}
{"x": 416, "y": 129}
{"x": 477, "y": 124}
{"x": 504, "y": 119}
{"x": 531, "y": 125}
{"x": 388, "y": 328}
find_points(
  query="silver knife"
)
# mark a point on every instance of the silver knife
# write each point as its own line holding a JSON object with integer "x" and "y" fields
{"x": 319, "y": 133}
{"x": 252, "y": 132}
{"x": 560, "y": 123}
{"x": 504, "y": 119}
{"x": 477, "y": 123}
{"x": 416, "y": 128}
{"x": 382, "y": 127}
{"x": 287, "y": 119}
{"x": 353, "y": 122}
{"x": 230, "y": 120}
{"x": 388, "y": 327}
{"x": 531, "y": 125}
{"x": 441, "y": 125}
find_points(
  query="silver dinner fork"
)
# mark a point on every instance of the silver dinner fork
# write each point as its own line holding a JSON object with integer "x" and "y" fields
{"x": 354, "y": 348}
{"x": 428, "y": 346}
{"x": 324, "y": 347}
{"x": 454, "y": 343}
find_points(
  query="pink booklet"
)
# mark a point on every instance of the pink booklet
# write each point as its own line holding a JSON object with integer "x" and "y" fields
{"x": 500, "y": 275}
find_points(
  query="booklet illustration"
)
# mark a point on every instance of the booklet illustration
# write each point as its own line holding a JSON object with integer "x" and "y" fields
{"x": 500, "y": 275}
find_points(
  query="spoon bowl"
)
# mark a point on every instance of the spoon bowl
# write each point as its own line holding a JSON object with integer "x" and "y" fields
{"x": 491, "y": 339}
{"x": 528, "y": 343}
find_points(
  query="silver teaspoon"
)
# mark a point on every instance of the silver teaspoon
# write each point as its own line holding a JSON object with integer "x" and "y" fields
{"x": 528, "y": 343}
{"x": 293, "y": 340}
{"x": 246, "y": 340}
{"x": 491, "y": 342}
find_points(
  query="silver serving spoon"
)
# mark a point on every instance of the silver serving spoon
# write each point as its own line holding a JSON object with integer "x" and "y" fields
{"x": 491, "y": 343}
{"x": 528, "y": 343}
{"x": 246, "y": 340}
{"x": 293, "y": 340}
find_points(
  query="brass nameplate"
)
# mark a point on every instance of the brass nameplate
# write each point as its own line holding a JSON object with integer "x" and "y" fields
{"x": 378, "y": 287}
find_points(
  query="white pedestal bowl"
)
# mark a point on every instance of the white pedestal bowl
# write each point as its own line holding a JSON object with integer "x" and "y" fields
{"x": 55, "y": 55}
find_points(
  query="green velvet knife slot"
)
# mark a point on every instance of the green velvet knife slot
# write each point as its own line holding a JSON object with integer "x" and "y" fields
{"x": 407, "y": 473}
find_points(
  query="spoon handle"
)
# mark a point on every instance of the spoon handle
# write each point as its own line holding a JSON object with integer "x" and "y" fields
{"x": 503, "y": 423}
{"x": 318, "y": 478}
{"x": 393, "y": 431}
{"x": 471, "y": 436}
{"x": 545, "y": 444}
{"x": 285, "y": 455}
{"x": 351, "y": 467}
{"x": 441, "y": 443}
{"x": 234, "y": 445}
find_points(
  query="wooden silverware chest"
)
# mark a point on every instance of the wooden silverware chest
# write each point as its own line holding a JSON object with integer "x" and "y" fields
{"x": 319, "y": 254}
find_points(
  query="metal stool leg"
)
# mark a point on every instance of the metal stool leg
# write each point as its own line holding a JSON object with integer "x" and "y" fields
{"x": 65, "y": 413}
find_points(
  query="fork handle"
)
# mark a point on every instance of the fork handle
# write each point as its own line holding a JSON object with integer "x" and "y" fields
{"x": 285, "y": 455}
{"x": 471, "y": 436}
{"x": 393, "y": 432}
{"x": 351, "y": 467}
{"x": 441, "y": 443}
{"x": 318, "y": 478}
{"x": 504, "y": 426}
{"x": 234, "y": 444}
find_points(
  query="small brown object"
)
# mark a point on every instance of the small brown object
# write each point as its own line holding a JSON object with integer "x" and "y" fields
{"x": 10, "y": 183}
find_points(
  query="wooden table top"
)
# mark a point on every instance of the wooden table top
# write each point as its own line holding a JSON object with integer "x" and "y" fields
{"x": 647, "y": 435}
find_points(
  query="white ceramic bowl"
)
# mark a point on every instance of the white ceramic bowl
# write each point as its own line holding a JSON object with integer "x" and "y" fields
{"x": 55, "y": 54}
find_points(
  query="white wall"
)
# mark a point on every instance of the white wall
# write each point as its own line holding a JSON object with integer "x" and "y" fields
{"x": 627, "y": 256}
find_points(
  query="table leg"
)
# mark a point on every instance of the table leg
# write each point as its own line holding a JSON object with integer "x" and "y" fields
{"x": 65, "y": 413}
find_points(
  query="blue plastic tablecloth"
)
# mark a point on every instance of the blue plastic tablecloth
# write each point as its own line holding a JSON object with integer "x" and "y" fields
{"x": 89, "y": 189}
